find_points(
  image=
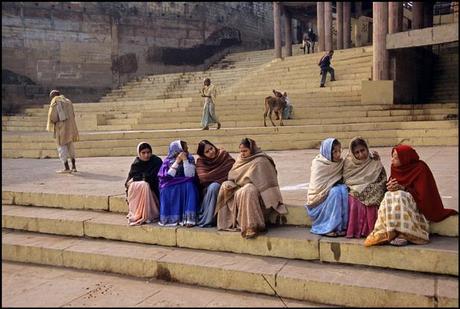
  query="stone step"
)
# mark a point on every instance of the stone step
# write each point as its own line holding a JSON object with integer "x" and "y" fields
{"x": 266, "y": 275}
{"x": 109, "y": 290}
{"x": 117, "y": 203}
{"x": 229, "y": 132}
{"x": 195, "y": 124}
{"x": 242, "y": 116}
{"x": 279, "y": 241}
{"x": 126, "y": 147}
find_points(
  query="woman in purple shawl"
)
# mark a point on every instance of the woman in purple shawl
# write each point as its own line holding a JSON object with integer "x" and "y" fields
{"x": 178, "y": 190}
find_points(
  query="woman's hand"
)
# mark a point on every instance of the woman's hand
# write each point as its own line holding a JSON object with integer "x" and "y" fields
{"x": 393, "y": 185}
{"x": 375, "y": 155}
{"x": 182, "y": 157}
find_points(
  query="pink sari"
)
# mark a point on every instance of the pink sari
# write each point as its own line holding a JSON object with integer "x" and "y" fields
{"x": 361, "y": 218}
{"x": 142, "y": 204}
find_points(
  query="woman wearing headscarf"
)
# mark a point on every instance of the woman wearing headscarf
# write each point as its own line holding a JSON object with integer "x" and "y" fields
{"x": 212, "y": 167}
{"x": 251, "y": 191}
{"x": 178, "y": 190}
{"x": 411, "y": 201}
{"x": 142, "y": 186}
{"x": 327, "y": 197}
{"x": 365, "y": 177}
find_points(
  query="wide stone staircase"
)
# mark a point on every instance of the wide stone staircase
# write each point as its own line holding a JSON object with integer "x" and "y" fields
{"x": 86, "y": 231}
{"x": 90, "y": 232}
{"x": 168, "y": 107}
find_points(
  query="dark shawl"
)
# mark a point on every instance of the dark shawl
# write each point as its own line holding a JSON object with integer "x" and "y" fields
{"x": 146, "y": 170}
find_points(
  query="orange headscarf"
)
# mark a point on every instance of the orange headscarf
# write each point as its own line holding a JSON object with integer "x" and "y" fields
{"x": 416, "y": 176}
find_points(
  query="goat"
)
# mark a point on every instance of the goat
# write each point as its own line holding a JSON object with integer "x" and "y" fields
{"x": 275, "y": 104}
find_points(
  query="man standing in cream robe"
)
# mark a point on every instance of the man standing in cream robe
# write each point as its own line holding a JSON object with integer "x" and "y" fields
{"x": 209, "y": 92}
{"x": 61, "y": 121}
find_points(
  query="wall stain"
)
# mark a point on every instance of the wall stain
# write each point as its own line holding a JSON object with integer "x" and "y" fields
{"x": 163, "y": 273}
{"x": 335, "y": 248}
{"x": 269, "y": 245}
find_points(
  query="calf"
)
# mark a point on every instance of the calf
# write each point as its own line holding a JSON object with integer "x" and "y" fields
{"x": 275, "y": 104}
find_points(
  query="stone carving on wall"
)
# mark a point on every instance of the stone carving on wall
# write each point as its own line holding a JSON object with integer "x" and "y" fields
{"x": 125, "y": 63}
{"x": 218, "y": 40}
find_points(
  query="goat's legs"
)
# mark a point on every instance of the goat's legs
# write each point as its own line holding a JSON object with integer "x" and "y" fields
{"x": 270, "y": 115}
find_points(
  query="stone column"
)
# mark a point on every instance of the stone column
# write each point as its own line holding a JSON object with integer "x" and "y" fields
{"x": 328, "y": 25}
{"x": 395, "y": 17}
{"x": 417, "y": 15}
{"x": 346, "y": 24}
{"x": 380, "y": 63}
{"x": 288, "y": 32}
{"x": 358, "y": 9}
{"x": 114, "y": 52}
{"x": 454, "y": 8}
{"x": 277, "y": 28}
{"x": 339, "y": 24}
{"x": 320, "y": 24}
{"x": 428, "y": 14}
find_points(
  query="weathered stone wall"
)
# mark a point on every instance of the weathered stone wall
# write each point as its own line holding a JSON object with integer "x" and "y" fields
{"x": 90, "y": 47}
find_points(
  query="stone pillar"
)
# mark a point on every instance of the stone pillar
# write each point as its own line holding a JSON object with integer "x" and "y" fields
{"x": 380, "y": 64}
{"x": 358, "y": 9}
{"x": 288, "y": 32}
{"x": 328, "y": 25}
{"x": 320, "y": 24}
{"x": 277, "y": 28}
{"x": 395, "y": 17}
{"x": 417, "y": 15}
{"x": 346, "y": 24}
{"x": 339, "y": 24}
{"x": 114, "y": 52}
{"x": 454, "y": 9}
{"x": 428, "y": 14}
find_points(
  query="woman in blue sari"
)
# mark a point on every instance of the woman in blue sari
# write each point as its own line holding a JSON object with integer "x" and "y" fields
{"x": 178, "y": 189}
{"x": 327, "y": 198}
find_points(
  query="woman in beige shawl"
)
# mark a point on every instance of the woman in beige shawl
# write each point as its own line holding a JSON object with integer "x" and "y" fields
{"x": 61, "y": 121}
{"x": 250, "y": 192}
{"x": 327, "y": 202}
{"x": 365, "y": 177}
{"x": 209, "y": 93}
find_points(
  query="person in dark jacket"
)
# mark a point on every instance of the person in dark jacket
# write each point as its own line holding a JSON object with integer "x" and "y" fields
{"x": 325, "y": 65}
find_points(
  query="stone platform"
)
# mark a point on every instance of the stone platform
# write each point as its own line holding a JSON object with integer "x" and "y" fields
{"x": 78, "y": 221}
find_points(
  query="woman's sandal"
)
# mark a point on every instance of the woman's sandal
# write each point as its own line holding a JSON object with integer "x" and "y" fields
{"x": 250, "y": 233}
{"x": 331, "y": 234}
{"x": 398, "y": 242}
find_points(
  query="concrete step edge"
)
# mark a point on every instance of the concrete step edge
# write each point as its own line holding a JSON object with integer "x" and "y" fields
{"x": 264, "y": 275}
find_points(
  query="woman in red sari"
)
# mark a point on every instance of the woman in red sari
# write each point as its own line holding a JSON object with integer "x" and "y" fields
{"x": 411, "y": 201}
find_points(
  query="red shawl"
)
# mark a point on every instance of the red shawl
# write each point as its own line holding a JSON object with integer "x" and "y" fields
{"x": 215, "y": 170}
{"x": 416, "y": 176}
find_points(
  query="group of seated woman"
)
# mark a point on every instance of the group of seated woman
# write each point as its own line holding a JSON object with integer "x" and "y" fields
{"x": 346, "y": 197}
{"x": 352, "y": 197}
{"x": 217, "y": 190}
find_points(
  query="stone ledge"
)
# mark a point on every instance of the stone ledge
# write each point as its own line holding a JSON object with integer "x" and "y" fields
{"x": 116, "y": 203}
{"x": 324, "y": 283}
{"x": 439, "y": 256}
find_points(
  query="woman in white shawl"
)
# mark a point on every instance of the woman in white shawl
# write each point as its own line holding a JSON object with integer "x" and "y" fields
{"x": 364, "y": 175}
{"x": 327, "y": 198}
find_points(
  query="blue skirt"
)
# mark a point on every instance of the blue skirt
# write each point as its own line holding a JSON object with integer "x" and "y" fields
{"x": 206, "y": 216}
{"x": 332, "y": 214}
{"x": 179, "y": 204}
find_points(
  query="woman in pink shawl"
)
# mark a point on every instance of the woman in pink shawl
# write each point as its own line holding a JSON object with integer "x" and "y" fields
{"x": 142, "y": 187}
